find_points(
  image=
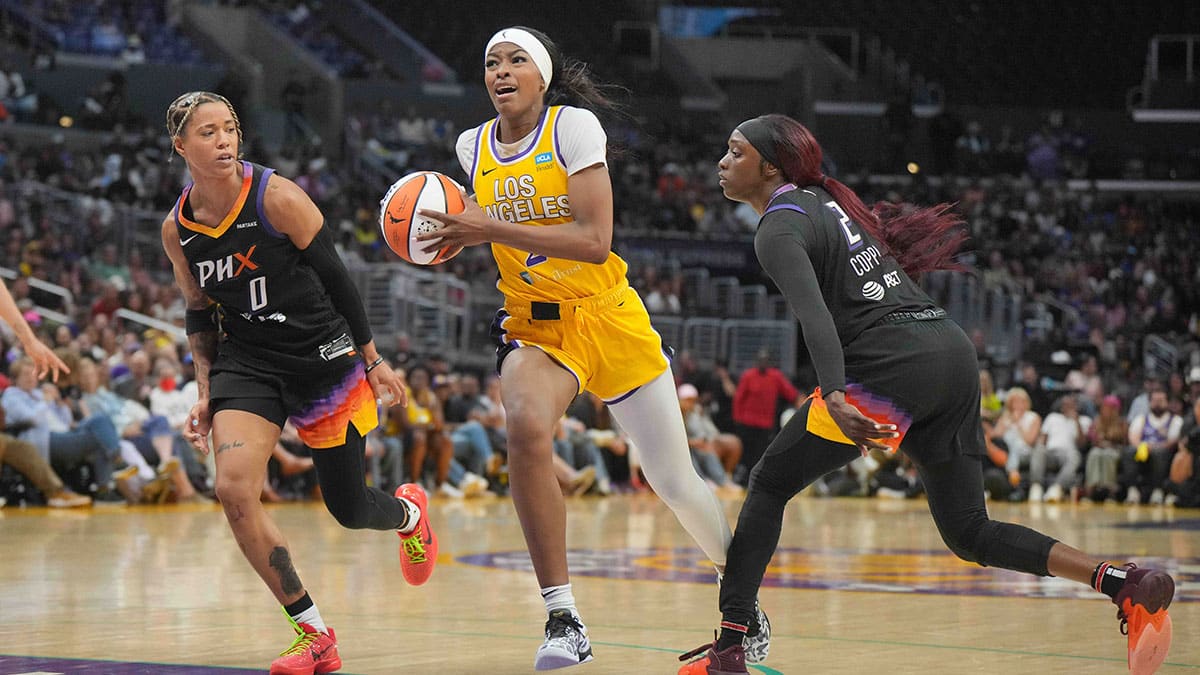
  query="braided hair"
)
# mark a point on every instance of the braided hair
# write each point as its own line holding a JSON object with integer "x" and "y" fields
{"x": 181, "y": 109}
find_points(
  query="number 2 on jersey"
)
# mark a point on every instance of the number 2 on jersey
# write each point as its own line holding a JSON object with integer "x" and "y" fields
{"x": 853, "y": 239}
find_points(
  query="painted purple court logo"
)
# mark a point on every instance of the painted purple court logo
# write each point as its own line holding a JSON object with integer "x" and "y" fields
{"x": 33, "y": 665}
{"x": 877, "y": 570}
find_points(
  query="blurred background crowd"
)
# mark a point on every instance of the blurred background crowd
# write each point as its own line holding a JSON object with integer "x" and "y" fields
{"x": 1081, "y": 295}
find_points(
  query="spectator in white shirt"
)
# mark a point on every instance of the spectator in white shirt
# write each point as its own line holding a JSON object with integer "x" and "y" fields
{"x": 1063, "y": 434}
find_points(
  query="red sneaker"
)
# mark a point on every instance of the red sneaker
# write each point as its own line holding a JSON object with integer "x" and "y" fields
{"x": 728, "y": 661}
{"x": 312, "y": 652}
{"x": 1142, "y": 608}
{"x": 418, "y": 548}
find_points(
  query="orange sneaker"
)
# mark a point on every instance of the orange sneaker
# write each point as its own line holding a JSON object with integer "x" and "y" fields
{"x": 728, "y": 661}
{"x": 312, "y": 652}
{"x": 1142, "y": 608}
{"x": 418, "y": 548}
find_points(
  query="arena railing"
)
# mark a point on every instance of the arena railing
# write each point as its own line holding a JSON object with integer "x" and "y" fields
{"x": 54, "y": 289}
{"x": 177, "y": 333}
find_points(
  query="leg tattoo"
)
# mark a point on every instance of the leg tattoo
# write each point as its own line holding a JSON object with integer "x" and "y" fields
{"x": 281, "y": 562}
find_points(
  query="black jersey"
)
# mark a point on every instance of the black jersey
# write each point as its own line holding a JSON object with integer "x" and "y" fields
{"x": 272, "y": 304}
{"x": 813, "y": 250}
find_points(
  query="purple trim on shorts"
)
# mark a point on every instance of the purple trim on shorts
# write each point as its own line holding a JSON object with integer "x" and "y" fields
{"x": 622, "y": 397}
{"x": 537, "y": 135}
{"x": 785, "y": 207}
{"x": 258, "y": 205}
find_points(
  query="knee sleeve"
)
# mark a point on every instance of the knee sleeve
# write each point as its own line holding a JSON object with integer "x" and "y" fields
{"x": 991, "y": 543}
{"x": 341, "y": 472}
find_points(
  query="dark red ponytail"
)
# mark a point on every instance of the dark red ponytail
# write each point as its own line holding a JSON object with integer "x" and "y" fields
{"x": 921, "y": 239}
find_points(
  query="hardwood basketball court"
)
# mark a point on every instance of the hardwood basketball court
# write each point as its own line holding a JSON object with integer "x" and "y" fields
{"x": 858, "y": 586}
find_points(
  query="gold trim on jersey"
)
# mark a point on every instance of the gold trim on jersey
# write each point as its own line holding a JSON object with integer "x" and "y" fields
{"x": 216, "y": 231}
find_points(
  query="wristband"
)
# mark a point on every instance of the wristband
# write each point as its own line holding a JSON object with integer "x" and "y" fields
{"x": 199, "y": 320}
{"x": 374, "y": 364}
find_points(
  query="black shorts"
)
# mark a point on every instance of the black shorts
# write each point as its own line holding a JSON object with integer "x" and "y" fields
{"x": 928, "y": 372}
{"x": 320, "y": 400}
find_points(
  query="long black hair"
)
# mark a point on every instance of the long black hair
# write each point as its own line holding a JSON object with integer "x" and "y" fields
{"x": 571, "y": 82}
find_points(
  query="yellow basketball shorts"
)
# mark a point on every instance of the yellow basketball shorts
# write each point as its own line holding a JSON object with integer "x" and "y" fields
{"x": 605, "y": 341}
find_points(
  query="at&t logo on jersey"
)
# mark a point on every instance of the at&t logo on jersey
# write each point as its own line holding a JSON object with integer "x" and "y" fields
{"x": 873, "y": 291}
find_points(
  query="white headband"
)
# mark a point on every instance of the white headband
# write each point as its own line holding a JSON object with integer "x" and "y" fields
{"x": 532, "y": 46}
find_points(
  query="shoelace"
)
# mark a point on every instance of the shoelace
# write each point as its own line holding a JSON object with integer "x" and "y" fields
{"x": 302, "y": 643}
{"x": 414, "y": 547}
{"x": 567, "y": 625}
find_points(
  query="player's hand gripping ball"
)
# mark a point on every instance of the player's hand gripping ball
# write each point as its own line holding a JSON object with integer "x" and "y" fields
{"x": 400, "y": 224}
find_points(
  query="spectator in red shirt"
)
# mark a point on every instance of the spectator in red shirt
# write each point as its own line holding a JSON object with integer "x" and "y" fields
{"x": 109, "y": 300}
{"x": 754, "y": 410}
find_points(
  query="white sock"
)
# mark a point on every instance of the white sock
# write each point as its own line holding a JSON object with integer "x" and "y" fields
{"x": 414, "y": 516}
{"x": 559, "y": 597}
{"x": 311, "y": 617}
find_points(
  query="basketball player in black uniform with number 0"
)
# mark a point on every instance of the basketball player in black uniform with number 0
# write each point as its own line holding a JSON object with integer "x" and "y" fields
{"x": 278, "y": 331}
{"x": 894, "y": 373}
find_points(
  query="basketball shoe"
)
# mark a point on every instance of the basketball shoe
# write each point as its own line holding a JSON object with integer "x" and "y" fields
{"x": 728, "y": 661}
{"x": 418, "y": 548}
{"x": 1142, "y": 608}
{"x": 756, "y": 646}
{"x": 566, "y": 642}
{"x": 312, "y": 652}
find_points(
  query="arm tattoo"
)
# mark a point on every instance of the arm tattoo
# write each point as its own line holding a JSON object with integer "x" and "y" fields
{"x": 204, "y": 351}
{"x": 229, "y": 446}
{"x": 281, "y": 562}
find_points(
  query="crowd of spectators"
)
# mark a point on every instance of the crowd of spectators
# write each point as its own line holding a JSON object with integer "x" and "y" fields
{"x": 1115, "y": 270}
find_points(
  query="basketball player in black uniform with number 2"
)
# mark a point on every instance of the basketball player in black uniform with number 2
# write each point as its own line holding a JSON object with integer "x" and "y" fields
{"x": 278, "y": 331}
{"x": 894, "y": 373}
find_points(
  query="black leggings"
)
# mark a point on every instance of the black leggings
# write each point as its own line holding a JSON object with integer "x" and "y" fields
{"x": 341, "y": 471}
{"x": 797, "y": 457}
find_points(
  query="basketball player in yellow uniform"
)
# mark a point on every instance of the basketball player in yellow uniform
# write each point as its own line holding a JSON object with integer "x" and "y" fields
{"x": 570, "y": 319}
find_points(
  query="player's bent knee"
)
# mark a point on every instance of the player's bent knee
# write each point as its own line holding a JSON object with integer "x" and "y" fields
{"x": 968, "y": 540}
{"x": 353, "y": 519}
{"x": 350, "y": 515}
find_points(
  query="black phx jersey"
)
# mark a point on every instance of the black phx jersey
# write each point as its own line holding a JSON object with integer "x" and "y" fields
{"x": 859, "y": 282}
{"x": 272, "y": 303}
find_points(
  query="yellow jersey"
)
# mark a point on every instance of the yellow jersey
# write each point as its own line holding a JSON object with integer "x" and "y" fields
{"x": 530, "y": 188}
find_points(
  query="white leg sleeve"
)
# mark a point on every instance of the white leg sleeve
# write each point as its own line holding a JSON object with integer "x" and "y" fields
{"x": 652, "y": 419}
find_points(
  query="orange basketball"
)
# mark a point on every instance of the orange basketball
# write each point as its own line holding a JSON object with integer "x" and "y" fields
{"x": 399, "y": 222}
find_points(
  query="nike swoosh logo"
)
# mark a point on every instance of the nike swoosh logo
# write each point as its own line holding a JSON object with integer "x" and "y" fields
{"x": 487, "y": 171}
{"x": 395, "y": 220}
{"x": 184, "y": 242}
